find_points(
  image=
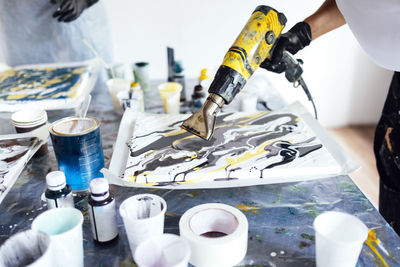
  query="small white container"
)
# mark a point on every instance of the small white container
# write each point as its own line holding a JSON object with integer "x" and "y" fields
{"x": 102, "y": 212}
{"x": 339, "y": 238}
{"x": 143, "y": 217}
{"x": 167, "y": 250}
{"x": 64, "y": 226}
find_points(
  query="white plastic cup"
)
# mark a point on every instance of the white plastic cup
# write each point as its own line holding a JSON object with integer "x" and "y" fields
{"x": 29, "y": 248}
{"x": 114, "y": 87}
{"x": 64, "y": 226}
{"x": 143, "y": 217}
{"x": 167, "y": 250}
{"x": 141, "y": 72}
{"x": 170, "y": 95}
{"x": 339, "y": 239}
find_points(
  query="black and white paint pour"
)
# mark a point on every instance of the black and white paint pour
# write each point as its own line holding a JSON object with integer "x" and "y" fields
{"x": 243, "y": 147}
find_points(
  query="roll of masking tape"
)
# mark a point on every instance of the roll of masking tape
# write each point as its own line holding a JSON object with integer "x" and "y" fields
{"x": 216, "y": 233}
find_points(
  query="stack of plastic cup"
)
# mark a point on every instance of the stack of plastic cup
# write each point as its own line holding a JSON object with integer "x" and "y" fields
{"x": 339, "y": 239}
{"x": 29, "y": 119}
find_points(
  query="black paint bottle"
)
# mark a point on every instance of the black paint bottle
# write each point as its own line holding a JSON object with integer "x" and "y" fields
{"x": 102, "y": 213}
{"x": 58, "y": 194}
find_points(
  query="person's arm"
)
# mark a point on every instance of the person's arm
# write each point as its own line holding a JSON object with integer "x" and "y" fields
{"x": 325, "y": 19}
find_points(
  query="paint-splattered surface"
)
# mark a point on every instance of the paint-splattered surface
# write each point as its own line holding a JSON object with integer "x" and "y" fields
{"x": 245, "y": 149}
{"x": 48, "y": 86}
{"x": 280, "y": 216}
{"x": 14, "y": 155}
{"x": 38, "y": 84}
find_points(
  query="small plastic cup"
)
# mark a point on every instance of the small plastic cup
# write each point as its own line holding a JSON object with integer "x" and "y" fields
{"x": 64, "y": 226}
{"x": 339, "y": 239}
{"x": 143, "y": 217}
{"x": 132, "y": 103}
{"x": 141, "y": 72}
{"x": 114, "y": 87}
{"x": 167, "y": 250}
{"x": 170, "y": 94}
{"x": 29, "y": 119}
{"x": 29, "y": 248}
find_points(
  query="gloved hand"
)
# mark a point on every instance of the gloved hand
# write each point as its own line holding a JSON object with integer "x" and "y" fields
{"x": 70, "y": 10}
{"x": 294, "y": 40}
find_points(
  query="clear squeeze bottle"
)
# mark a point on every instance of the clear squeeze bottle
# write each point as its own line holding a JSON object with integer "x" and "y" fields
{"x": 58, "y": 194}
{"x": 102, "y": 213}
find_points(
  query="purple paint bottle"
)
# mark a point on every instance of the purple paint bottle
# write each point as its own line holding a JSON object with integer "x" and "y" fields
{"x": 102, "y": 213}
{"x": 58, "y": 193}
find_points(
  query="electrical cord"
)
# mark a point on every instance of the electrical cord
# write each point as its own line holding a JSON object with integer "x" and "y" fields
{"x": 307, "y": 92}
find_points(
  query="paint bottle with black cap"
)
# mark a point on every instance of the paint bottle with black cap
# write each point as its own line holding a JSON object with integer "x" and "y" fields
{"x": 102, "y": 213}
{"x": 58, "y": 194}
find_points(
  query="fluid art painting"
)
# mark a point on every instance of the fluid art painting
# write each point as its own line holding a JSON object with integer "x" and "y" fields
{"x": 48, "y": 86}
{"x": 14, "y": 154}
{"x": 246, "y": 149}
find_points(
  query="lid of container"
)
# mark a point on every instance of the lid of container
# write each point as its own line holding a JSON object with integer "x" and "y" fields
{"x": 55, "y": 180}
{"x": 99, "y": 186}
{"x": 135, "y": 86}
{"x": 203, "y": 75}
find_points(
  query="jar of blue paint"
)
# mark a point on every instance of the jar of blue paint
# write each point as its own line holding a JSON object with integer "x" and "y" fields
{"x": 77, "y": 145}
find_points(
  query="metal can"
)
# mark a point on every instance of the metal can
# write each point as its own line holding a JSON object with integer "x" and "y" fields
{"x": 78, "y": 149}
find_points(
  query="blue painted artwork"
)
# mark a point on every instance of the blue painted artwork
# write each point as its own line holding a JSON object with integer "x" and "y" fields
{"x": 33, "y": 84}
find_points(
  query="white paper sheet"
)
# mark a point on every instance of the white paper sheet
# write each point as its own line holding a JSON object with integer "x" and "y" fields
{"x": 246, "y": 149}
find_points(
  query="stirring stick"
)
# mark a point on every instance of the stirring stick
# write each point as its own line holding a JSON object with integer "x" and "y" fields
{"x": 85, "y": 42}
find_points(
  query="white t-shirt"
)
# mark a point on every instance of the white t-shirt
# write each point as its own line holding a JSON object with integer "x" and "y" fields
{"x": 376, "y": 25}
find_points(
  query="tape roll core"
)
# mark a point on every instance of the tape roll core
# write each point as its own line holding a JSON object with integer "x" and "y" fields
{"x": 199, "y": 226}
{"x": 223, "y": 222}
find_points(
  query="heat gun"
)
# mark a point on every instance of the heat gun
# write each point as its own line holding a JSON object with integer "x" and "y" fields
{"x": 254, "y": 44}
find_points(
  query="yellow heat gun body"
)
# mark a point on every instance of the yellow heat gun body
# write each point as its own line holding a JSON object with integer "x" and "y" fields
{"x": 250, "y": 49}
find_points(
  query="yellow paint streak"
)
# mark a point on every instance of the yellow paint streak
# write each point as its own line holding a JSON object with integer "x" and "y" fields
{"x": 372, "y": 242}
{"x": 15, "y": 97}
{"x": 180, "y": 140}
{"x": 173, "y": 133}
{"x": 253, "y": 116}
{"x": 246, "y": 156}
{"x": 253, "y": 209}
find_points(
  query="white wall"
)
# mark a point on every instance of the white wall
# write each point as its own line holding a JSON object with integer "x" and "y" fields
{"x": 347, "y": 87}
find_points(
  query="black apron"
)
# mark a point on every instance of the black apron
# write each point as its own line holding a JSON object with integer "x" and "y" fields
{"x": 387, "y": 153}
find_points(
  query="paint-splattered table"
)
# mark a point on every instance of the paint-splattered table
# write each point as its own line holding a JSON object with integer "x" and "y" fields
{"x": 280, "y": 216}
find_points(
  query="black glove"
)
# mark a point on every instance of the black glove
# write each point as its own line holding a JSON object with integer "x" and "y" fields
{"x": 70, "y": 10}
{"x": 294, "y": 40}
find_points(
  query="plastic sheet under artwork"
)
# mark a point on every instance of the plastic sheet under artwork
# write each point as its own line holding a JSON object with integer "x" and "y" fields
{"x": 246, "y": 149}
{"x": 48, "y": 86}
